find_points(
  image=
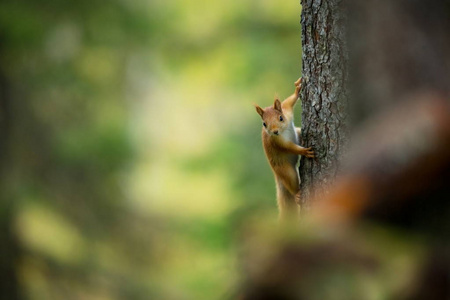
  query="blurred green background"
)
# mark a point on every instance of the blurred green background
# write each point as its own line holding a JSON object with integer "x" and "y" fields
{"x": 132, "y": 158}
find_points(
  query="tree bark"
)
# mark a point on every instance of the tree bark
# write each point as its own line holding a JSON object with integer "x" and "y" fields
{"x": 324, "y": 99}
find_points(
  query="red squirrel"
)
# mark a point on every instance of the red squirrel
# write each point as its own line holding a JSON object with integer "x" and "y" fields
{"x": 281, "y": 144}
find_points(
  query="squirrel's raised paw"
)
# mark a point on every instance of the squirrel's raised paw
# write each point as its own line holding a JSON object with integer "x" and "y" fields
{"x": 298, "y": 86}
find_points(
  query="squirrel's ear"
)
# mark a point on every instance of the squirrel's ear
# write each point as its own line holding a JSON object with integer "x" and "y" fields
{"x": 277, "y": 105}
{"x": 259, "y": 110}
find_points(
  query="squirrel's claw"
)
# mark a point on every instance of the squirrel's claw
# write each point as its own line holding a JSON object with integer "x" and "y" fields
{"x": 309, "y": 152}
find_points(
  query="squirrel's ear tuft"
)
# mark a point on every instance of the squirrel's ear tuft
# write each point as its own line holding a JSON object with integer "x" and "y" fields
{"x": 277, "y": 105}
{"x": 259, "y": 110}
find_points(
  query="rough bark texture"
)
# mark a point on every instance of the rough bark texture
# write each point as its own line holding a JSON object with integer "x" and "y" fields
{"x": 324, "y": 100}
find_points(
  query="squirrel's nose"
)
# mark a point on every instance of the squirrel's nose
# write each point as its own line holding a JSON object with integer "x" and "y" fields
{"x": 275, "y": 132}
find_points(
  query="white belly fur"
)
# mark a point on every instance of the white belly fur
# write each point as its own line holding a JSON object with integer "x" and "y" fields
{"x": 289, "y": 134}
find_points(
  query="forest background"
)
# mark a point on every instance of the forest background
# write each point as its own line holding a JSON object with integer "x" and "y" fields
{"x": 132, "y": 164}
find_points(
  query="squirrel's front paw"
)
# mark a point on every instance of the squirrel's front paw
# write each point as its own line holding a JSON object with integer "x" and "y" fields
{"x": 309, "y": 152}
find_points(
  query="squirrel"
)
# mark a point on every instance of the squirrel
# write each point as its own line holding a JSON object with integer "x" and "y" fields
{"x": 280, "y": 140}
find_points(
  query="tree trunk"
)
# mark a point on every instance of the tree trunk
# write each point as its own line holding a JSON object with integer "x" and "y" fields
{"x": 324, "y": 99}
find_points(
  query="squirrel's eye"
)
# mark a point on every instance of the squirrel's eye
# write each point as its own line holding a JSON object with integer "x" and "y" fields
{"x": 264, "y": 124}
{"x": 281, "y": 118}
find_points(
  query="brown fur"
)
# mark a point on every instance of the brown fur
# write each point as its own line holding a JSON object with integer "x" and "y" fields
{"x": 280, "y": 141}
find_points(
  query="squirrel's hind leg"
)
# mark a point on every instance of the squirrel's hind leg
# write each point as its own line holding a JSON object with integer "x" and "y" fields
{"x": 287, "y": 176}
{"x": 287, "y": 204}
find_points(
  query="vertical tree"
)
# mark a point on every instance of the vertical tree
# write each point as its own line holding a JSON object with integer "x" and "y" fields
{"x": 323, "y": 95}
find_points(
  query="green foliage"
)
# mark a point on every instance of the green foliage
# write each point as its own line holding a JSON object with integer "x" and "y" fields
{"x": 136, "y": 148}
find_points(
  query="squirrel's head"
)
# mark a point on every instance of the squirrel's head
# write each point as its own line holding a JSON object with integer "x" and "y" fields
{"x": 274, "y": 122}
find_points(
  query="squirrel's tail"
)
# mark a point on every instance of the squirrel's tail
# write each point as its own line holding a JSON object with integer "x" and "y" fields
{"x": 287, "y": 205}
